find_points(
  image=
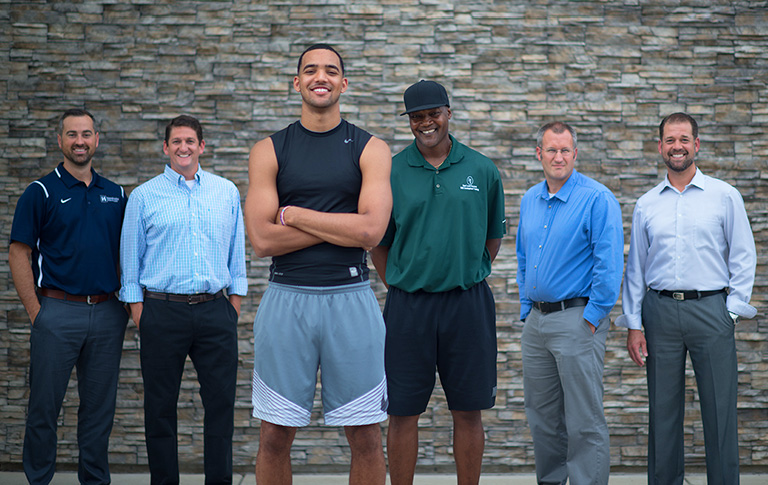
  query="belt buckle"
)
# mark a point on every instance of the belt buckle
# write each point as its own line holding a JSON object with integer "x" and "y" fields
{"x": 678, "y": 295}
{"x": 88, "y": 300}
{"x": 195, "y": 299}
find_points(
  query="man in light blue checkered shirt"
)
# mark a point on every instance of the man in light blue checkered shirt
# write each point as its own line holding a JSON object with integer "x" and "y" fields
{"x": 182, "y": 253}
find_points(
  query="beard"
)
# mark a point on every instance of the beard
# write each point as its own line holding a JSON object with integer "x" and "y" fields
{"x": 80, "y": 161}
{"x": 678, "y": 165}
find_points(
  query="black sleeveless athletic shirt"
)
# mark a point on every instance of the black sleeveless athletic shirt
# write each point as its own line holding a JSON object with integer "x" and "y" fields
{"x": 320, "y": 171}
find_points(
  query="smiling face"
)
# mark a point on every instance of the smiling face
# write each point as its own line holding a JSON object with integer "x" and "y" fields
{"x": 430, "y": 127}
{"x": 78, "y": 140}
{"x": 678, "y": 147}
{"x": 184, "y": 149}
{"x": 557, "y": 156}
{"x": 320, "y": 80}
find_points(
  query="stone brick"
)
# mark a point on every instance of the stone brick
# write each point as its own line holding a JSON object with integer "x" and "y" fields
{"x": 612, "y": 69}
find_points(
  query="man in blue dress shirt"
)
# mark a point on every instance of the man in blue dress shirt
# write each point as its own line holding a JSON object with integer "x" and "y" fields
{"x": 64, "y": 261}
{"x": 570, "y": 258}
{"x": 182, "y": 253}
{"x": 690, "y": 271}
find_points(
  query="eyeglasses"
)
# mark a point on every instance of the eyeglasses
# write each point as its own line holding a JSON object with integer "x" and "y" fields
{"x": 553, "y": 151}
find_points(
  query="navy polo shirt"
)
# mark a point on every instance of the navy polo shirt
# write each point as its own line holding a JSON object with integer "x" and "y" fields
{"x": 73, "y": 230}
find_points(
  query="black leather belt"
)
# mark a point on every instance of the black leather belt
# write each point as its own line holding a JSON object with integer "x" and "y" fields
{"x": 190, "y": 299}
{"x": 61, "y": 295}
{"x": 547, "y": 307}
{"x": 688, "y": 294}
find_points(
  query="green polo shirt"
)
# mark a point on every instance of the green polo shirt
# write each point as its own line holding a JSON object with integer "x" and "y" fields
{"x": 441, "y": 219}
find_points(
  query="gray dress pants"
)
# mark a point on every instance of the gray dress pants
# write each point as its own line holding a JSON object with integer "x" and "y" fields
{"x": 563, "y": 384}
{"x": 703, "y": 329}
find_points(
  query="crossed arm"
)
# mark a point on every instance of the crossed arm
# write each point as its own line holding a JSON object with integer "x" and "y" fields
{"x": 306, "y": 227}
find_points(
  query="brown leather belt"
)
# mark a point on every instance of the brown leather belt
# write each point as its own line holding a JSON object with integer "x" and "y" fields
{"x": 61, "y": 295}
{"x": 190, "y": 299}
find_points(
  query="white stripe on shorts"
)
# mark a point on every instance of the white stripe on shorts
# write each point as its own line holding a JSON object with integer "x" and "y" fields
{"x": 265, "y": 401}
{"x": 359, "y": 412}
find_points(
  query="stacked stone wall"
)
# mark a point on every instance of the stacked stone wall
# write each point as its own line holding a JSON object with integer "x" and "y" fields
{"x": 612, "y": 69}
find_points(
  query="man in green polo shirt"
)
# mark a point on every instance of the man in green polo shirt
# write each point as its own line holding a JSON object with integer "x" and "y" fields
{"x": 446, "y": 229}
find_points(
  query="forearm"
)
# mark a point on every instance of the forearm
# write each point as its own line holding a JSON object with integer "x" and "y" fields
{"x": 379, "y": 256}
{"x": 236, "y": 301}
{"x": 493, "y": 246}
{"x": 136, "y": 309}
{"x": 23, "y": 277}
{"x": 269, "y": 239}
{"x": 342, "y": 229}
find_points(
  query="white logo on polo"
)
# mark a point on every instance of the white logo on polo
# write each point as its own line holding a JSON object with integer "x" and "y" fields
{"x": 470, "y": 185}
{"x": 64, "y": 201}
{"x": 347, "y": 140}
{"x": 105, "y": 199}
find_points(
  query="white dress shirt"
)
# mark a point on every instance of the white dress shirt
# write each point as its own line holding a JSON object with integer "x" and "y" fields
{"x": 697, "y": 239}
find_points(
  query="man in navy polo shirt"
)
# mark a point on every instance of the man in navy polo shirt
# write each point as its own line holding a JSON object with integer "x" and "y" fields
{"x": 64, "y": 261}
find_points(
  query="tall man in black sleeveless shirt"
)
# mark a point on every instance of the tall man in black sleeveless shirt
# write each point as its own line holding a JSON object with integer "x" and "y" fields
{"x": 319, "y": 196}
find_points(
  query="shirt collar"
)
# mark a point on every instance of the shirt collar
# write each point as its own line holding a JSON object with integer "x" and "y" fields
{"x": 565, "y": 190}
{"x": 416, "y": 159}
{"x": 699, "y": 181}
{"x": 178, "y": 178}
{"x": 70, "y": 181}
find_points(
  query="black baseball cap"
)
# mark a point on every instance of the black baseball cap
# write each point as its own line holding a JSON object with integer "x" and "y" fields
{"x": 424, "y": 95}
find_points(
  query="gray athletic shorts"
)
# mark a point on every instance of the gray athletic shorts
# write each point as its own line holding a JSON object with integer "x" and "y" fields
{"x": 338, "y": 329}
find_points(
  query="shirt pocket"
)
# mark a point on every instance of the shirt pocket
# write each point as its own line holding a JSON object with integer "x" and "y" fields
{"x": 708, "y": 232}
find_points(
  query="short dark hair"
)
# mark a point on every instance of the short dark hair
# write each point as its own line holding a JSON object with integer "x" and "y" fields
{"x": 189, "y": 122}
{"x": 75, "y": 112}
{"x": 679, "y": 118}
{"x": 325, "y": 47}
{"x": 556, "y": 127}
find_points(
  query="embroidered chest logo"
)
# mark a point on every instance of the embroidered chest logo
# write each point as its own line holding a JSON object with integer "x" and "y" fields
{"x": 347, "y": 140}
{"x": 470, "y": 185}
{"x": 64, "y": 201}
{"x": 105, "y": 199}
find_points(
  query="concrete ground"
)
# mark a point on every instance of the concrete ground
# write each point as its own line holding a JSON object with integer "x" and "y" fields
{"x": 70, "y": 478}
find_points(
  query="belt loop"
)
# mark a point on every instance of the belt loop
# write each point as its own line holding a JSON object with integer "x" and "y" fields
{"x": 562, "y": 305}
{"x": 698, "y": 295}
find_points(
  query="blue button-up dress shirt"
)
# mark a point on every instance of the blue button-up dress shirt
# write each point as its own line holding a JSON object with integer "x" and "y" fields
{"x": 570, "y": 245}
{"x": 697, "y": 239}
{"x": 178, "y": 239}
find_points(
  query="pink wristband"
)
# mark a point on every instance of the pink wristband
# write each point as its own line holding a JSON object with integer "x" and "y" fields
{"x": 282, "y": 215}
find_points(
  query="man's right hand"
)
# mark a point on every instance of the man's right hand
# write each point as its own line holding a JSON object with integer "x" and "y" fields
{"x": 637, "y": 347}
{"x": 33, "y": 312}
{"x": 136, "y": 309}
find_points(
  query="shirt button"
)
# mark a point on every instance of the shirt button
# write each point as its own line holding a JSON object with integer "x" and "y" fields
{"x": 545, "y": 226}
{"x": 437, "y": 185}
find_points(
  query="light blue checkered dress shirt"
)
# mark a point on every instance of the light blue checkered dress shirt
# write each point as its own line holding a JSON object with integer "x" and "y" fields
{"x": 178, "y": 239}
